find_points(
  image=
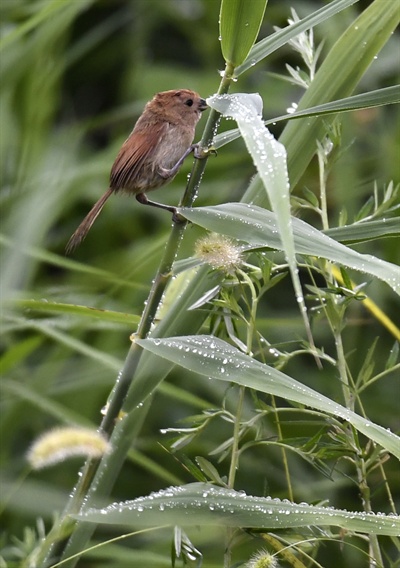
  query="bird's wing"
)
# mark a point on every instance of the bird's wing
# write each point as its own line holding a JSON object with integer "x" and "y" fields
{"x": 133, "y": 165}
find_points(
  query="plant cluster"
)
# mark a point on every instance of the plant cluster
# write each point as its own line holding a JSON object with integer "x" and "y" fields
{"x": 253, "y": 402}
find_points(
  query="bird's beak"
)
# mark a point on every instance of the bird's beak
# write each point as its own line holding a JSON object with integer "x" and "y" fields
{"x": 203, "y": 105}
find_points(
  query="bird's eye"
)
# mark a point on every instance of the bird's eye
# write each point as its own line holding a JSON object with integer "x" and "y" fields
{"x": 189, "y": 102}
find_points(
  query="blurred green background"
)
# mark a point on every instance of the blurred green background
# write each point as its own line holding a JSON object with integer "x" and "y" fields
{"x": 75, "y": 77}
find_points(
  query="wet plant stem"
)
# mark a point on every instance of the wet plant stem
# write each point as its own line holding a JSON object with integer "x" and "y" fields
{"x": 250, "y": 333}
{"x": 235, "y": 442}
{"x": 359, "y": 460}
{"x": 322, "y": 185}
{"x": 53, "y": 546}
{"x": 349, "y": 400}
{"x": 348, "y": 396}
{"x": 238, "y": 417}
{"x": 232, "y": 471}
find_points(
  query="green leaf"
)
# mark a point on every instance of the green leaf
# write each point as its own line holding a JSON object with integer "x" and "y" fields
{"x": 209, "y": 469}
{"x": 212, "y": 357}
{"x": 258, "y": 227}
{"x": 379, "y": 97}
{"x": 29, "y": 253}
{"x": 365, "y": 231}
{"x": 18, "y": 352}
{"x": 203, "y": 504}
{"x": 270, "y": 44}
{"x": 50, "y": 10}
{"x": 393, "y": 356}
{"x": 75, "y": 344}
{"x": 45, "y": 404}
{"x": 73, "y": 309}
{"x": 311, "y": 197}
{"x": 269, "y": 157}
{"x": 240, "y": 22}
{"x": 337, "y": 77}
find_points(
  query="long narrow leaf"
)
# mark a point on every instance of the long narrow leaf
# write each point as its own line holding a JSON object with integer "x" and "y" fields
{"x": 365, "y": 231}
{"x": 270, "y": 159}
{"x": 379, "y": 97}
{"x": 212, "y": 357}
{"x": 337, "y": 77}
{"x": 258, "y": 226}
{"x": 73, "y": 309}
{"x": 52, "y": 9}
{"x": 240, "y": 22}
{"x": 270, "y": 44}
{"x": 199, "y": 504}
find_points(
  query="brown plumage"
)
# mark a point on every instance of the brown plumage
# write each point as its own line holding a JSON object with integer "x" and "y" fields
{"x": 152, "y": 155}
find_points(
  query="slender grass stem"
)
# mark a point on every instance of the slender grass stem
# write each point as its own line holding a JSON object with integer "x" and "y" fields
{"x": 349, "y": 398}
{"x": 52, "y": 545}
{"x": 322, "y": 186}
{"x": 233, "y": 469}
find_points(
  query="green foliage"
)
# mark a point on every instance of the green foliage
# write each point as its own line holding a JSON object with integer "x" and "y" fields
{"x": 239, "y": 25}
{"x": 226, "y": 392}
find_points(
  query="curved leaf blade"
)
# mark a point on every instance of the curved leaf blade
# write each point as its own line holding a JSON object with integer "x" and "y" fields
{"x": 365, "y": 231}
{"x": 270, "y": 44}
{"x": 270, "y": 159}
{"x": 258, "y": 227}
{"x": 199, "y": 504}
{"x": 372, "y": 99}
{"x": 212, "y": 357}
{"x": 337, "y": 77}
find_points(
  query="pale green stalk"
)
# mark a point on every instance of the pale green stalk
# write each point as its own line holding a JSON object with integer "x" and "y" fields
{"x": 81, "y": 532}
{"x": 349, "y": 398}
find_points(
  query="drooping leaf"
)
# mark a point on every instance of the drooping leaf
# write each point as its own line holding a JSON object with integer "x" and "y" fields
{"x": 199, "y": 504}
{"x": 379, "y": 97}
{"x": 270, "y": 159}
{"x": 258, "y": 227}
{"x": 212, "y": 357}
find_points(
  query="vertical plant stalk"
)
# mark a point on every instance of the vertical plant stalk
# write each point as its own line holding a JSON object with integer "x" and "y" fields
{"x": 239, "y": 410}
{"x": 120, "y": 390}
{"x": 322, "y": 187}
{"x": 232, "y": 472}
{"x": 249, "y": 343}
{"x": 349, "y": 397}
{"x": 374, "y": 549}
{"x": 253, "y": 317}
{"x": 235, "y": 442}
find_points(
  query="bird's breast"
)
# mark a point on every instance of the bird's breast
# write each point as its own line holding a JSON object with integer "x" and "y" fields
{"x": 174, "y": 142}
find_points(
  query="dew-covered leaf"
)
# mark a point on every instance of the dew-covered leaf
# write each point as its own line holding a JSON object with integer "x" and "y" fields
{"x": 258, "y": 227}
{"x": 371, "y": 99}
{"x": 270, "y": 159}
{"x": 366, "y": 231}
{"x": 199, "y": 504}
{"x": 214, "y": 358}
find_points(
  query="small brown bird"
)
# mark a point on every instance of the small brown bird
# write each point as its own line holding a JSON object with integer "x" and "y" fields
{"x": 152, "y": 155}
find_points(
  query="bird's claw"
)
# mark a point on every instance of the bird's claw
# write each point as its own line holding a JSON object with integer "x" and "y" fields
{"x": 201, "y": 153}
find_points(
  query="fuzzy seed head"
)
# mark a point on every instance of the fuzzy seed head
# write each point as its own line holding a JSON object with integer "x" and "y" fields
{"x": 262, "y": 559}
{"x": 60, "y": 444}
{"x": 219, "y": 252}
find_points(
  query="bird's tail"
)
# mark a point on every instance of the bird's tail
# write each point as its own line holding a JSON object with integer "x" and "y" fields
{"x": 86, "y": 224}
